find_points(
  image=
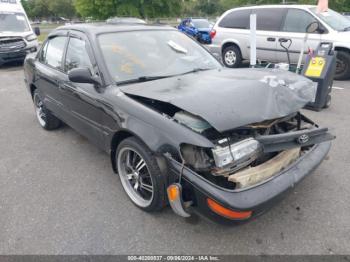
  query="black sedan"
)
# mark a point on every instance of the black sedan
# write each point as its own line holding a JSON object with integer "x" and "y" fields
{"x": 179, "y": 128}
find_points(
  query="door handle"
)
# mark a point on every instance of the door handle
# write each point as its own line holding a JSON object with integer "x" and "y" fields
{"x": 271, "y": 39}
{"x": 284, "y": 40}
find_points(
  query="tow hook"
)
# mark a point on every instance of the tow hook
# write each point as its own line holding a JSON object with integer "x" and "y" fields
{"x": 175, "y": 199}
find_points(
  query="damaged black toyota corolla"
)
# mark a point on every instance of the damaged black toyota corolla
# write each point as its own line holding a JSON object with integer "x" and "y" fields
{"x": 179, "y": 127}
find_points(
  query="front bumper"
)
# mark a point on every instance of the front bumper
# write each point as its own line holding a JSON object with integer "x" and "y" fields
{"x": 258, "y": 198}
{"x": 16, "y": 56}
{"x": 205, "y": 38}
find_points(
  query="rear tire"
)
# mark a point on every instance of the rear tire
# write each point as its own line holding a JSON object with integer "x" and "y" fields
{"x": 232, "y": 57}
{"x": 140, "y": 175}
{"x": 45, "y": 118}
{"x": 343, "y": 66}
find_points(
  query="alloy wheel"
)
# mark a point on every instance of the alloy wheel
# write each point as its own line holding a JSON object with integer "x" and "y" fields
{"x": 135, "y": 177}
{"x": 230, "y": 57}
{"x": 40, "y": 113}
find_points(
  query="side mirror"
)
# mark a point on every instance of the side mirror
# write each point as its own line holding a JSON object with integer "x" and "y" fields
{"x": 83, "y": 76}
{"x": 37, "y": 31}
{"x": 313, "y": 28}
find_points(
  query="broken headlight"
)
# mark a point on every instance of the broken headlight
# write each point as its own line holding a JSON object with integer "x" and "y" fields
{"x": 239, "y": 154}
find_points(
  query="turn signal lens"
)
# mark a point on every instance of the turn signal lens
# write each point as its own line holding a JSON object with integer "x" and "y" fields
{"x": 173, "y": 192}
{"x": 230, "y": 214}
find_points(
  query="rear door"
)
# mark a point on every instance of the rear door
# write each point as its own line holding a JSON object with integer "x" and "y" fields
{"x": 294, "y": 28}
{"x": 269, "y": 21}
{"x": 49, "y": 71}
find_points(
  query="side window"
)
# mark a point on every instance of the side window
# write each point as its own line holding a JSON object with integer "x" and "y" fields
{"x": 54, "y": 51}
{"x": 77, "y": 55}
{"x": 297, "y": 21}
{"x": 236, "y": 19}
{"x": 269, "y": 19}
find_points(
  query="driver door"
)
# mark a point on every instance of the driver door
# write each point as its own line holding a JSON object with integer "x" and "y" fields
{"x": 82, "y": 100}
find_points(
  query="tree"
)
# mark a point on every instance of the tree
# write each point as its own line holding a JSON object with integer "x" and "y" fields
{"x": 62, "y": 8}
{"x": 49, "y": 8}
{"x": 102, "y": 9}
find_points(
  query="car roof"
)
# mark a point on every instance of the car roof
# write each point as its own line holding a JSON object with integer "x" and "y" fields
{"x": 276, "y": 6}
{"x": 194, "y": 18}
{"x": 100, "y": 28}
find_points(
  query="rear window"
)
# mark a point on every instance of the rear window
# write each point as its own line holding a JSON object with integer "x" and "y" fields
{"x": 201, "y": 23}
{"x": 236, "y": 19}
{"x": 269, "y": 19}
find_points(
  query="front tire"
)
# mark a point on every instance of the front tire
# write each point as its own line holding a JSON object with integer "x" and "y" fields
{"x": 343, "y": 66}
{"x": 232, "y": 57}
{"x": 140, "y": 175}
{"x": 45, "y": 118}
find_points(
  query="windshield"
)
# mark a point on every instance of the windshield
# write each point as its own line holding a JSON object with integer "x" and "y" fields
{"x": 201, "y": 23}
{"x": 13, "y": 22}
{"x": 335, "y": 20}
{"x": 135, "y": 54}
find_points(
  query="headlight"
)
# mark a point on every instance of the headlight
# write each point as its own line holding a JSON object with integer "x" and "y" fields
{"x": 31, "y": 37}
{"x": 246, "y": 150}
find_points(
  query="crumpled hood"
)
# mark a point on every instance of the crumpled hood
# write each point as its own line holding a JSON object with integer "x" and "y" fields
{"x": 228, "y": 98}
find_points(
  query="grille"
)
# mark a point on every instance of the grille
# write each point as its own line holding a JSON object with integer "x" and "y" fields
{"x": 8, "y": 44}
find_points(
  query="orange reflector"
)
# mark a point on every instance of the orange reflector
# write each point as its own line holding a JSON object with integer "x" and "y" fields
{"x": 222, "y": 211}
{"x": 173, "y": 192}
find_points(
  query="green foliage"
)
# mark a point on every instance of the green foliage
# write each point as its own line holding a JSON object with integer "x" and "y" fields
{"x": 49, "y": 8}
{"x": 102, "y": 9}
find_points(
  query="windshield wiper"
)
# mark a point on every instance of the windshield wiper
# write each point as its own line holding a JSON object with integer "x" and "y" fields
{"x": 195, "y": 70}
{"x": 141, "y": 79}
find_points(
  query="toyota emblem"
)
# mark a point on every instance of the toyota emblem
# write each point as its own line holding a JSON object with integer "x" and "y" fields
{"x": 303, "y": 139}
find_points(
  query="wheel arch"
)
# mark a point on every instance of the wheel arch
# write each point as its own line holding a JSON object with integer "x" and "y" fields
{"x": 230, "y": 43}
{"x": 118, "y": 137}
{"x": 345, "y": 74}
{"x": 342, "y": 48}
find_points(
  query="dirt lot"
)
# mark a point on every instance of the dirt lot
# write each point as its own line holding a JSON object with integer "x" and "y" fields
{"x": 58, "y": 195}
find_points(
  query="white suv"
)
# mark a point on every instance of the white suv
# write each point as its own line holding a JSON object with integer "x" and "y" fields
{"x": 274, "y": 22}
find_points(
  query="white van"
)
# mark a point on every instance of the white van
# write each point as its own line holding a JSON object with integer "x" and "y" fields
{"x": 274, "y": 24}
{"x": 17, "y": 38}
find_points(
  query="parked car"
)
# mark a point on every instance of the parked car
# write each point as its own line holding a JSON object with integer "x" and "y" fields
{"x": 179, "y": 127}
{"x": 17, "y": 38}
{"x": 275, "y": 22}
{"x": 125, "y": 20}
{"x": 199, "y": 28}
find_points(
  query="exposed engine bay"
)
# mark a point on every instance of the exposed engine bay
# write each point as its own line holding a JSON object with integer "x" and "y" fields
{"x": 245, "y": 157}
{"x": 248, "y": 155}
